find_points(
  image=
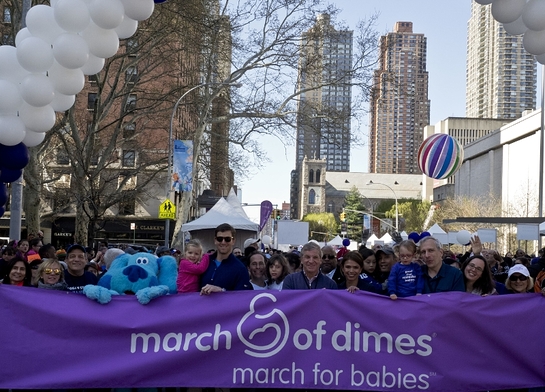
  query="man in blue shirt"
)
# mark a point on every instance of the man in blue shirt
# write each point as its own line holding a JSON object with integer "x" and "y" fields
{"x": 438, "y": 276}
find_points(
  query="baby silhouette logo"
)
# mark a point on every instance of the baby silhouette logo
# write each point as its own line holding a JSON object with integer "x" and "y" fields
{"x": 263, "y": 330}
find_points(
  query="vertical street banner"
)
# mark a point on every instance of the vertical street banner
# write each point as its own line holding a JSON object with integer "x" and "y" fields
{"x": 265, "y": 213}
{"x": 182, "y": 166}
{"x": 366, "y": 221}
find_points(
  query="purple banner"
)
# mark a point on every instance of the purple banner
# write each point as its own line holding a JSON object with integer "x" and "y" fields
{"x": 266, "y": 209}
{"x": 319, "y": 339}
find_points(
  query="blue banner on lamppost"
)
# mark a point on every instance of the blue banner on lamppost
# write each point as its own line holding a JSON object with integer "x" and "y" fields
{"x": 182, "y": 166}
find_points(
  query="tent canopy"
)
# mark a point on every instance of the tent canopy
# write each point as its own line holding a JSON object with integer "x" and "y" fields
{"x": 336, "y": 241}
{"x": 222, "y": 212}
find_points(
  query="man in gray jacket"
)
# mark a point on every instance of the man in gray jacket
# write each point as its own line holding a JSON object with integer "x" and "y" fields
{"x": 310, "y": 277}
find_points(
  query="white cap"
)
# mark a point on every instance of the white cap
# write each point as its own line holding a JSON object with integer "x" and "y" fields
{"x": 250, "y": 241}
{"x": 518, "y": 268}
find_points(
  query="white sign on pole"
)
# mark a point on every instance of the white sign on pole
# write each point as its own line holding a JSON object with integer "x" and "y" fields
{"x": 527, "y": 231}
{"x": 488, "y": 235}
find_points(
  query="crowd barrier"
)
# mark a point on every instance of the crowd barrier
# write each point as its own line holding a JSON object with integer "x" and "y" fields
{"x": 317, "y": 339}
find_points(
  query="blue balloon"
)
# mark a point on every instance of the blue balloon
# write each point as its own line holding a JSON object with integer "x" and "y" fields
{"x": 424, "y": 235}
{"x": 3, "y": 194}
{"x": 415, "y": 237}
{"x": 14, "y": 157}
{"x": 346, "y": 242}
{"x": 8, "y": 175}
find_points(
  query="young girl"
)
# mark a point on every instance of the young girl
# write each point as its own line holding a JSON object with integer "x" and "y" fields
{"x": 277, "y": 269}
{"x": 369, "y": 272}
{"x": 405, "y": 277}
{"x": 192, "y": 266}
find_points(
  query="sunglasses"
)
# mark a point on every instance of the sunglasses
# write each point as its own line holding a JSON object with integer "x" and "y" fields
{"x": 226, "y": 239}
{"x": 328, "y": 257}
{"x": 514, "y": 278}
{"x": 55, "y": 271}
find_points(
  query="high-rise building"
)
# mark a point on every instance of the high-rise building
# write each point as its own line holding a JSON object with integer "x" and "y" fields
{"x": 501, "y": 76}
{"x": 400, "y": 108}
{"x": 324, "y": 110}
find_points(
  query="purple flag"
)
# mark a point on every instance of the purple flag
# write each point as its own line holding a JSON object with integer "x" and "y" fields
{"x": 266, "y": 209}
{"x": 317, "y": 339}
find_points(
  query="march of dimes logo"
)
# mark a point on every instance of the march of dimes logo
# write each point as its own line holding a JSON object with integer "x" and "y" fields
{"x": 271, "y": 336}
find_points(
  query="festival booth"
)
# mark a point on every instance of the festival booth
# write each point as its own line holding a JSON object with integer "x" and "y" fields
{"x": 224, "y": 211}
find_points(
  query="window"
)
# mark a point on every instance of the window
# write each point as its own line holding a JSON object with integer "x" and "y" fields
{"x": 131, "y": 103}
{"x": 91, "y": 101}
{"x": 126, "y": 182}
{"x": 127, "y": 206}
{"x": 311, "y": 175}
{"x": 131, "y": 74}
{"x": 318, "y": 176}
{"x": 132, "y": 46}
{"x": 7, "y": 39}
{"x": 92, "y": 78}
{"x": 63, "y": 181}
{"x": 129, "y": 130}
{"x": 7, "y": 15}
{"x": 129, "y": 158}
{"x": 312, "y": 197}
{"x": 62, "y": 158}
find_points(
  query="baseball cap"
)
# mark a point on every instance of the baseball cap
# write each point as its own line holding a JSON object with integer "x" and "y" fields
{"x": 162, "y": 249}
{"x": 250, "y": 241}
{"x": 74, "y": 247}
{"x": 518, "y": 268}
{"x": 387, "y": 250}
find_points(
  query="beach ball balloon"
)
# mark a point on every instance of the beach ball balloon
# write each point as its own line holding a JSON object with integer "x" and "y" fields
{"x": 440, "y": 156}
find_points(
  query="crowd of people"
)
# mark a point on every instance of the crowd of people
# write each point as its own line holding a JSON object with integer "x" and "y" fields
{"x": 400, "y": 271}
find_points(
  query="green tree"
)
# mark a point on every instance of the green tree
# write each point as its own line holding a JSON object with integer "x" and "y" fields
{"x": 353, "y": 202}
{"x": 412, "y": 214}
{"x": 322, "y": 226}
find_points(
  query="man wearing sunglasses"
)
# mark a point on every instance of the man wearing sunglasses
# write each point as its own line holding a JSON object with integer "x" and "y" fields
{"x": 330, "y": 265}
{"x": 225, "y": 271}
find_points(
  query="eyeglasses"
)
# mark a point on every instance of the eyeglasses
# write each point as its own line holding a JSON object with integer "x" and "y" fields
{"x": 55, "y": 271}
{"x": 226, "y": 239}
{"x": 514, "y": 278}
{"x": 471, "y": 265}
{"x": 328, "y": 257}
{"x": 406, "y": 257}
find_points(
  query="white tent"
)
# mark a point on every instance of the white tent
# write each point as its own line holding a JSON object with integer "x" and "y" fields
{"x": 222, "y": 212}
{"x": 371, "y": 240}
{"x": 439, "y": 233}
{"x": 233, "y": 200}
{"x": 337, "y": 241}
{"x": 387, "y": 239}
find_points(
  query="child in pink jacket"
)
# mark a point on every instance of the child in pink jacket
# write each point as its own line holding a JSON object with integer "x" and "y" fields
{"x": 192, "y": 265}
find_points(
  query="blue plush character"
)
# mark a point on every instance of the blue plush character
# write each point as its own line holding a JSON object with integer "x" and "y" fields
{"x": 142, "y": 274}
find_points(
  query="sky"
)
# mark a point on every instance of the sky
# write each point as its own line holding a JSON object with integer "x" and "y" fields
{"x": 443, "y": 22}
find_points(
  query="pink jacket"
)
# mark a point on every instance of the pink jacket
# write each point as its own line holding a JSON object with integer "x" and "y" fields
{"x": 190, "y": 273}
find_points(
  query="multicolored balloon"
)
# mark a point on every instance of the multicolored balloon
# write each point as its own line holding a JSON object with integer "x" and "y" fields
{"x": 440, "y": 156}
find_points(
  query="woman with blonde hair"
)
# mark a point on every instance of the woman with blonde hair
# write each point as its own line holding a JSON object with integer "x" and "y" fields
{"x": 51, "y": 275}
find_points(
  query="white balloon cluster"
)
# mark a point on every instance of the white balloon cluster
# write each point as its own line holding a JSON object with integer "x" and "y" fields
{"x": 522, "y": 17}
{"x": 46, "y": 68}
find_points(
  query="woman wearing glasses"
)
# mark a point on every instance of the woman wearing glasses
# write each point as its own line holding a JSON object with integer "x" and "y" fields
{"x": 478, "y": 277}
{"x": 519, "y": 280}
{"x": 51, "y": 275}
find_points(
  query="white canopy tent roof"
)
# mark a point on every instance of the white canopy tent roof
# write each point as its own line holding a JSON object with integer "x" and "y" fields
{"x": 336, "y": 241}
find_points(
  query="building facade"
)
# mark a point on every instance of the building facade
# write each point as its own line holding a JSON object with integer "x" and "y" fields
{"x": 323, "y": 112}
{"x": 501, "y": 76}
{"x": 400, "y": 108}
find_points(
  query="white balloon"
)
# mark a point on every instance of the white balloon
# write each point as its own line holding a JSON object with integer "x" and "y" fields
{"x": 37, "y": 119}
{"x": 107, "y": 14}
{"x": 463, "y": 237}
{"x": 266, "y": 240}
{"x": 41, "y": 22}
{"x": 10, "y": 97}
{"x": 127, "y": 28}
{"x": 484, "y": 2}
{"x": 35, "y": 55}
{"x": 515, "y": 28}
{"x": 541, "y": 58}
{"x": 21, "y": 35}
{"x": 534, "y": 42}
{"x": 37, "y": 90}
{"x": 66, "y": 81}
{"x": 62, "y": 103}
{"x": 71, "y": 50}
{"x": 10, "y": 69}
{"x": 507, "y": 11}
{"x": 138, "y": 9}
{"x": 93, "y": 66}
{"x": 71, "y": 15}
{"x": 12, "y": 130}
{"x": 32, "y": 139}
{"x": 534, "y": 15}
{"x": 102, "y": 43}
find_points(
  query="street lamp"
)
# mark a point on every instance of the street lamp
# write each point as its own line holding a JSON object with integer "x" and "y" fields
{"x": 169, "y": 175}
{"x": 395, "y": 196}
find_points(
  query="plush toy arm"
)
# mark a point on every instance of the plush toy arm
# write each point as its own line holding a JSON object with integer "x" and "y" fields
{"x": 168, "y": 272}
{"x": 100, "y": 294}
{"x": 145, "y": 295}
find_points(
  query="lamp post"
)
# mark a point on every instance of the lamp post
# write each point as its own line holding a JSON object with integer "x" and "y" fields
{"x": 395, "y": 196}
{"x": 170, "y": 141}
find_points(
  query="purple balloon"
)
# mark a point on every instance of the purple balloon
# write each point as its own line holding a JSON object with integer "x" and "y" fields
{"x": 14, "y": 157}
{"x": 415, "y": 237}
{"x": 9, "y": 175}
{"x": 346, "y": 242}
{"x": 3, "y": 194}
